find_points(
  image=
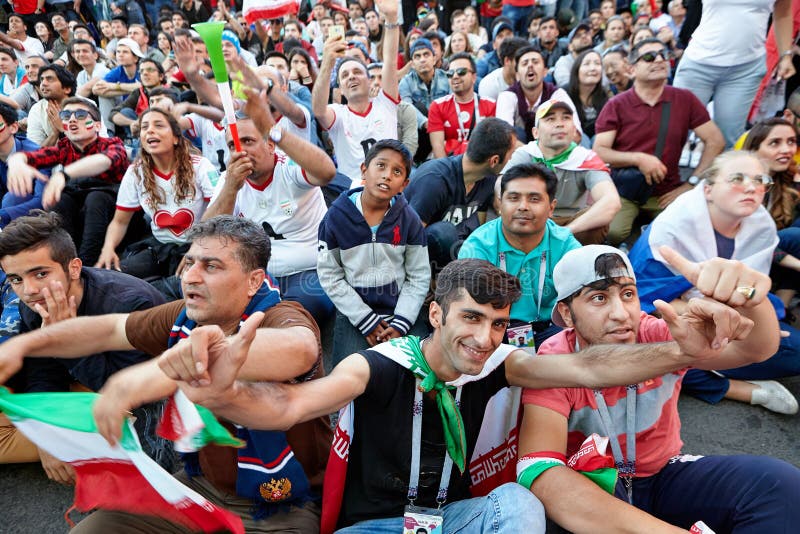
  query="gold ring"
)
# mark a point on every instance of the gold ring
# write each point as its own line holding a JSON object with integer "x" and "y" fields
{"x": 748, "y": 291}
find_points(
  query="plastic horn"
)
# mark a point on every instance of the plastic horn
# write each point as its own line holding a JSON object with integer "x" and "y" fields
{"x": 211, "y": 33}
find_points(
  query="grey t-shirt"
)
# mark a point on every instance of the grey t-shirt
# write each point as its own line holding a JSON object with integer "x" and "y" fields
{"x": 572, "y": 185}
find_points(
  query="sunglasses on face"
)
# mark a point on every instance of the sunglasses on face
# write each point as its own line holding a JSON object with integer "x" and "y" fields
{"x": 740, "y": 180}
{"x": 66, "y": 114}
{"x": 463, "y": 71}
{"x": 650, "y": 57}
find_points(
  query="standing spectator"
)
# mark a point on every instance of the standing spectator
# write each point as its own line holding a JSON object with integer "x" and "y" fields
{"x": 172, "y": 186}
{"x": 373, "y": 262}
{"x": 453, "y": 117}
{"x": 586, "y": 199}
{"x": 453, "y": 194}
{"x": 517, "y": 104}
{"x": 627, "y": 130}
{"x": 729, "y": 70}
{"x": 354, "y": 128}
{"x": 85, "y": 175}
{"x": 17, "y": 38}
{"x": 56, "y": 84}
{"x": 586, "y": 90}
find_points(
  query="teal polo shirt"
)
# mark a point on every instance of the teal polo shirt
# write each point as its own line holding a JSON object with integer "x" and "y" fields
{"x": 488, "y": 243}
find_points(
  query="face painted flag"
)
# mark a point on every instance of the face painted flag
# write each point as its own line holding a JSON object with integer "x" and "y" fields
{"x": 255, "y": 10}
{"x": 122, "y": 477}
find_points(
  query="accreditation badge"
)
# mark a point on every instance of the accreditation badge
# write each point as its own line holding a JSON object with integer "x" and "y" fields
{"x": 419, "y": 520}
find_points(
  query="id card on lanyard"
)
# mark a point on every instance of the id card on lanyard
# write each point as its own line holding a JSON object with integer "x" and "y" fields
{"x": 626, "y": 466}
{"x": 464, "y": 133}
{"x": 418, "y": 517}
{"x": 522, "y": 336}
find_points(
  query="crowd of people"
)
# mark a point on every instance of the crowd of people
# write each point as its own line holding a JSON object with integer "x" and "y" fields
{"x": 528, "y": 224}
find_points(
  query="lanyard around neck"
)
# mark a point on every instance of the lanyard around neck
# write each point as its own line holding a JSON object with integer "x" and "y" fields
{"x": 476, "y": 117}
{"x": 416, "y": 445}
{"x": 501, "y": 259}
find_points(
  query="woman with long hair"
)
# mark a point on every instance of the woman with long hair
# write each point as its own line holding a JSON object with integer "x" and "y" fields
{"x": 586, "y": 89}
{"x": 722, "y": 217}
{"x": 474, "y": 24}
{"x": 613, "y": 34}
{"x": 106, "y": 35}
{"x": 303, "y": 70}
{"x": 775, "y": 142}
{"x": 173, "y": 185}
{"x": 459, "y": 42}
{"x": 45, "y": 33}
{"x": 164, "y": 42}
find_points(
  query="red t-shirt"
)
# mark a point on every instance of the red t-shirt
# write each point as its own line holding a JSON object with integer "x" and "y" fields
{"x": 658, "y": 425}
{"x": 636, "y": 124}
{"x": 442, "y": 117}
{"x": 24, "y": 7}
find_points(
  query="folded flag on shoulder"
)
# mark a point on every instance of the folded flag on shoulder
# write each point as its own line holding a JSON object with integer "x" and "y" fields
{"x": 122, "y": 477}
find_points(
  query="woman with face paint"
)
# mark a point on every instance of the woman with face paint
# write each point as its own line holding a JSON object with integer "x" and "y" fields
{"x": 173, "y": 185}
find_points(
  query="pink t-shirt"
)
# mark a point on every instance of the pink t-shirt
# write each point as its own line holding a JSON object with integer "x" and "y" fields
{"x": 658, "y": 425}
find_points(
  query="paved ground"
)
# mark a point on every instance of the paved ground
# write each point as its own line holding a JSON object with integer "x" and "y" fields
{"x": 33, "y": 505}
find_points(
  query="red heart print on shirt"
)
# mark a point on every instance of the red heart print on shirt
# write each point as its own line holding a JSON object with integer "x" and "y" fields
{"x": 177, "y": 222}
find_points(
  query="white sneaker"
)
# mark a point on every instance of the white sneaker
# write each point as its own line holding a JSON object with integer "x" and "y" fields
{"x": 774, "y": 397}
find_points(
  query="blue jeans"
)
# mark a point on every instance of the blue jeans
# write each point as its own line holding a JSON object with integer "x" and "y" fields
{"x": 509, "y": 508}
{"x": 789, "y": 242}
{"x": 741, "y": 494}
{"x": 580, "y": 7}
{"x": 711, "y": 388}
{"x": 732, "y": 88}
{"x": 443, "y": 244}
{"x": 518, "y": 17}
{"x": 304, "y": 288}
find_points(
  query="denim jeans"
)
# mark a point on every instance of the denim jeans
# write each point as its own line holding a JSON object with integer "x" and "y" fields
{"x": 789, "y": 242}
{"x": 580, "y": 7}
{"x": 519, "y": 18}
{"x": 509, "y": 508}
{"x": 732, "y": 89}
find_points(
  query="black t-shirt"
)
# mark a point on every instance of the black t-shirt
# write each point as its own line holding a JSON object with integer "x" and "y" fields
{"x": 378, "y": 472}
{"x": 437, "y": 193}
{"x": 104, "y": 291}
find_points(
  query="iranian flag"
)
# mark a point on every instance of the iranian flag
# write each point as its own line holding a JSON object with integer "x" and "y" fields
{"x": 255, "y": 10}
{"x": 122, "y": 477}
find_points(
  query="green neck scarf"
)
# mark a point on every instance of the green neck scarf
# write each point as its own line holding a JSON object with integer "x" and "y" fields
{"x": 454, "y": 435}
{"x": 561, "y": 158}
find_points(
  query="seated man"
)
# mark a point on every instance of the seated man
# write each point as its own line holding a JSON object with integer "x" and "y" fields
{"x": 581, "y": 174}
{"x": 599, "y": 305}
{"x": 386, "y": 466}
{"x": 452, "y": 195}
{"x": 84, "y": 179}
{"x": 526, "y": 243}
{"x": 13, "y": 206}
{"x": 224, "y": 281}
{"x": 275, "y": 181}
{"x": 42, "y": 268}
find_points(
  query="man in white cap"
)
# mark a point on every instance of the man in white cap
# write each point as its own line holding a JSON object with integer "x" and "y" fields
{"x": 580, "y": 173}
{"x": 120, "y": 81}
{"x": 598, "y": 304}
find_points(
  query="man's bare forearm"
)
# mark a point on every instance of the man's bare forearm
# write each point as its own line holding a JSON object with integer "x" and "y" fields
{"x": 74, "y": 338}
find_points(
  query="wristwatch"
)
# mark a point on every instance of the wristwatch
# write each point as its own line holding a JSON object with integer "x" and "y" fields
{"x": 693, "y": 180}
{"x": 59, "y": 168}
{"x": 276, "y": 134}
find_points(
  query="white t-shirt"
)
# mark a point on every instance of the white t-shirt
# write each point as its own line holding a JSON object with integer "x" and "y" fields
{"x": 212, "y": 139}
{"x": 292, "y": 207}
{"x": 289, "y": 126}
{"x": 492, "y": 85}
{"x": 353, "y": 133}
{"x": 170, "y": 220}
{"x": 507, "y": 106}
{"x": 32, "y": 46}
{"x": 731, "y": 32}
{"x": 100, "y": 70}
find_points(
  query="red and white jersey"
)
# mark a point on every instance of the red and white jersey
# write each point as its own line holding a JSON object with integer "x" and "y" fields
{"x": 170, "y": 220}
{"x": 212, "y": 139}
{"x": 353, "y": 134}
{"x": 292, "y": 209}
{"x": 457, "y": 120}
{"x": 303, "y": 133}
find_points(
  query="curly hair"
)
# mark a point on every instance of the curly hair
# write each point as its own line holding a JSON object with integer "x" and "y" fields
{"x": 783, "y": 199}
{"x": 184, "y": 172}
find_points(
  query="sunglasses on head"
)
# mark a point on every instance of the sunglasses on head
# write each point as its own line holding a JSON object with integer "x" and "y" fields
{"x": 650, "y": 57}
{"x": 66, "y": 114}
{"x": 463, "y": 71}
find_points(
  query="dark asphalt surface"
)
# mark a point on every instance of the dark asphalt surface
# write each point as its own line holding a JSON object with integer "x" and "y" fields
{"x": 32, "y": 504}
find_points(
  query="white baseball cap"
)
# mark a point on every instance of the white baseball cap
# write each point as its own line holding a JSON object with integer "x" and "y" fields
{"x": 578, "y": 268}
{"x": 133, "y": 45}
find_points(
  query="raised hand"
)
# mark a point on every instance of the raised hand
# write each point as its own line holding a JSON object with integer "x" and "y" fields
{"x": 58, "y": 306}
{"x": 728, "y": 281}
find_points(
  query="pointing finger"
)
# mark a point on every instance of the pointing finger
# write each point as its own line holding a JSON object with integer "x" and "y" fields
{"x": 689, "y": 269}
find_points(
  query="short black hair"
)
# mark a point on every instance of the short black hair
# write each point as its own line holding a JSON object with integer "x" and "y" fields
{"x": 82, "y": 42}
{"x": 548, "y": 19}
{"x": 9, "y": 52}
{"x": 94, "y": 111}
{"x": 531, "y": 170}
{"x": 481, "y": 280}
{"x": 8, "y": 114}
{"x": 526, "y": 50}
{"x": 434, "y": 36}
{"x": 275, "y": 53}
{"x": 122, "y": 18}
{"x": 254, "y": 247}
{"x": 36, "y": 230}
{"x": 464, "y": 55}
{"x": 491, "y": 137}
{"x": 634, "y": 54}
{"x": 64, "y": 76}
{"x": 169, "y": 92}
{"x": 508, "y": 48}
{"x": 391, "y": 144}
